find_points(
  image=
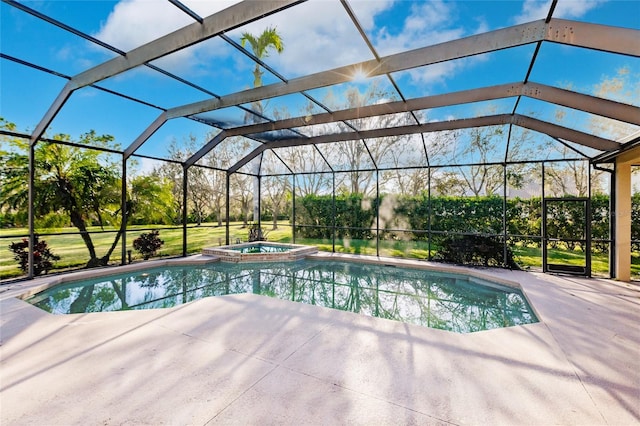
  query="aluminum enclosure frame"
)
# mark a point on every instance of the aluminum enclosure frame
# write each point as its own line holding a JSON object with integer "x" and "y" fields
{"x": 609, "y": 39}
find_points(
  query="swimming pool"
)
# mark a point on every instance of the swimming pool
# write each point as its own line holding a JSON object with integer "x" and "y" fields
{"x": 445, "y": 301}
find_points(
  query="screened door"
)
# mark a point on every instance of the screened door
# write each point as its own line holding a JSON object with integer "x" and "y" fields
{"x": 566, "y": 236}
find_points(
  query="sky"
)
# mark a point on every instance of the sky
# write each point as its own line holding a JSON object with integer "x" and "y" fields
{"x": 318, "y": 35}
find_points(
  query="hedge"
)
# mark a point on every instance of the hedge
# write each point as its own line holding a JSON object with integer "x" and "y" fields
{"x": 355, "y": 217}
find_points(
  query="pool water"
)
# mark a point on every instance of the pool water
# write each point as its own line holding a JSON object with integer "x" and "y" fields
{"x": 452, "y": 302}
{"x": 261, "y": 248}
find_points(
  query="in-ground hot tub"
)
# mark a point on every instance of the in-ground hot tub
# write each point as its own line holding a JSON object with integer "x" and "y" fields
{"x": 260, "y": 251}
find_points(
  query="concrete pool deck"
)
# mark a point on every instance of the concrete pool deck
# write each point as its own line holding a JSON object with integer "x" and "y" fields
{"x": 247, "y": 359}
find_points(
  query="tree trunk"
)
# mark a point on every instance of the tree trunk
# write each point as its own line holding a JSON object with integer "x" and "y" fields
{"x": 104, "y": 261}
{"x": 245, "y": 212}
{"x": 79, "y": 223}
{"x": 83, "y": 300}
{"x": 276, "y": 211}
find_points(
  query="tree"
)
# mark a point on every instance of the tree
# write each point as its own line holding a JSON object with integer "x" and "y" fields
{"x": 199, "y": 182}
{"x": 568, "y": 178}
{"x": 82, "y": 183}
{"x": 261, "y": 45}
{"x": 172, "y": 172}
{"x": 407, "y": 176}
{"x": 153, "y": 200}
{"x": 14, "y": 162}
{"x": 276, "y": 190}
{"x": 356, "y": 155}
{"x": 572, "y": 177}
{"x": 623, "y": 87}
{"x": 199, "y": 190}
{"x": 219, "y": 159}
{"x": 241, "y": 187}
{"x": 360, "y": 154}
{"x": 485, "y": 145}
{"x": 447, "y": 183}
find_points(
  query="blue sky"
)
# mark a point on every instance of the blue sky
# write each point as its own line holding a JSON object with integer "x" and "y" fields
{"x": 318, "y": 35}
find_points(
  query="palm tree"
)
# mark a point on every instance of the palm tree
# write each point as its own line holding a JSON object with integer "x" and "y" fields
{"x": 261, "y": 46}
{"x": 83, "y": 184}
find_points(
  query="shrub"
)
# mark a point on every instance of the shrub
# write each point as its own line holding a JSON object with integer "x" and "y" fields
{"x": 43, "y": 258}
{"x": 476, "y": 250}
{"x": 148, "y": 244}
{"x": 256, "y": 233}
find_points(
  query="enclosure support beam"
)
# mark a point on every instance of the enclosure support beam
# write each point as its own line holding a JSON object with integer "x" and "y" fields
{"x": 611, "y": 39}
{"x": 225, "y": 20}
{"x": 530, "y": 123}
{"x": 561, "y": 132}
{"x": 429, "y": 217}
{"x": 257, "y": 214}
{"x": 600, "y": 37}
{"x": 146, "y": 134}
{"x": 594, "y": 36}
{"x": 185, "y": 186}
{"x": 517, "y": 35}
{"x": 504, "y": 216}
{"x": 213, "y": 142}
{"x": 543, "y": 224}
{"x": 623, "y": 221}
{"x": 333, "y": 220}
{"x": 227, "y": 208}
{"x": 124, "y": 212}
{"x": 606, "y": 108}
{"x": 51, "y": 113}
{"x": 293, "y": 207}
{"x": 612, "y": 224}
{"x": 377, "y": 213}
{"x": 622, "y": 212}
{"x": 31, "y": 207}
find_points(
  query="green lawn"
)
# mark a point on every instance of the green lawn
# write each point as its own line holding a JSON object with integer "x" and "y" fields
{"x": 526, "y": 256}
{"x": 73, "y": 252}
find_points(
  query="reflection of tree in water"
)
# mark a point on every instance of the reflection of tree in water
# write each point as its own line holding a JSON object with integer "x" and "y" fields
{"x": 52, "y": 302}
{"x": 457, "y": 305}
{"x": 411, "y": 296}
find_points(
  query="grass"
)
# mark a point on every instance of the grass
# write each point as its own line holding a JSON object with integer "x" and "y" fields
{"x": 73, "y": 252}
{"x": 525, "y": 255}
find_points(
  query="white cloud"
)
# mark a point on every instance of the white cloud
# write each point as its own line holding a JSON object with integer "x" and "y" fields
{"x": 570, "y": 9}
{"x": 318, "y": 35}
{"x": 429, "y": 23}
{"x": 133, "y": 23}
{"x": 205, "y": 8}
{"x": 432, "y": 74}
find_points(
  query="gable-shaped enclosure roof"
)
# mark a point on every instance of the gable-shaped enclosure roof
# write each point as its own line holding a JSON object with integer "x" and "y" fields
{"x": 368, "y": 72}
